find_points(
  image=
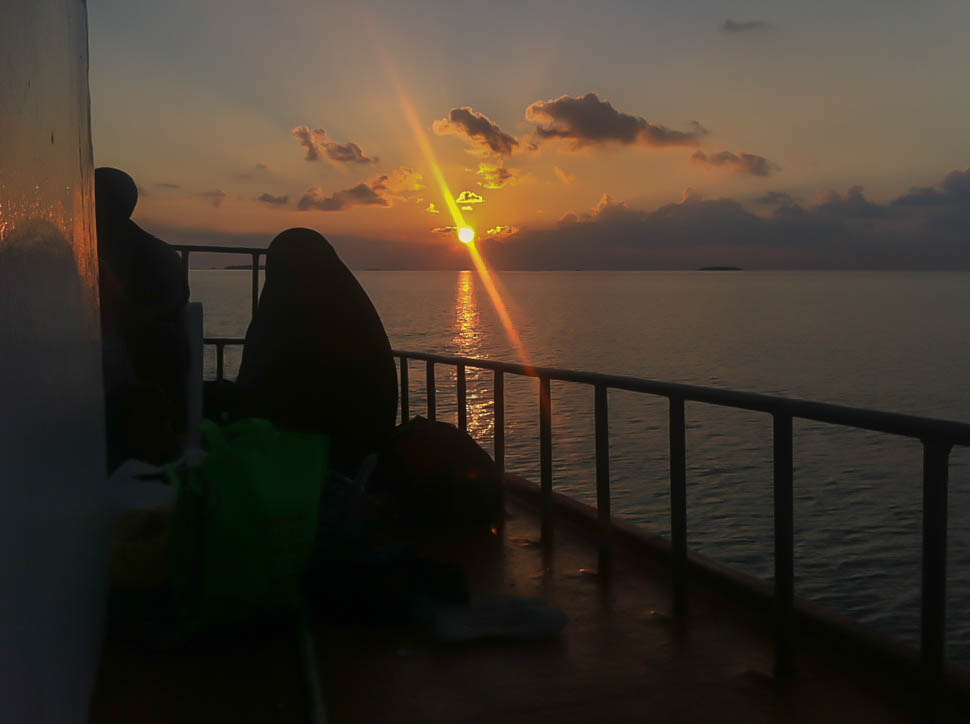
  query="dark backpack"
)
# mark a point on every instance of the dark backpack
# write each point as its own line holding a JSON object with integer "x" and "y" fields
{"x": 436, "y": 477}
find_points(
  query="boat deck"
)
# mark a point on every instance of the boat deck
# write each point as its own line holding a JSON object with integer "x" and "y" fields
{"x": 621, "y": 658}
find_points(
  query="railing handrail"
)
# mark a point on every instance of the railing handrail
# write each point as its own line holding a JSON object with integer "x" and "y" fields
{"x": 956, "y": 433}
{"x": 892, "y": 423}
{"x": 216, "y": 249}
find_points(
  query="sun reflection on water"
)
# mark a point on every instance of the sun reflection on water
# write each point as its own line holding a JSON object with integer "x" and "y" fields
{"x": 468, "y": 335}
{"x": 469, "y": 340}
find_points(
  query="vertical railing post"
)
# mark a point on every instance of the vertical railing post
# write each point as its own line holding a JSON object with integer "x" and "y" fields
{"x": 602, "y": 432}
{"x": 220, "y": 362}
{"x": 405, "y": 408}
{"x": 545, "y": 453}
{"x": 499, "y": 413}
{"x": 429, "y": 381}
{"x": 784, "y": 542}
{"x": 933, "y": 592}
{"x": 185, "y": 265}
{"x": 255, "y": 292}
{"x": 678, "y": 505}
{"x": 462, "y": 397}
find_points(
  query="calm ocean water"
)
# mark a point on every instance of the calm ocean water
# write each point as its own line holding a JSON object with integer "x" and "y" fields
{"x": 893, "y": 341}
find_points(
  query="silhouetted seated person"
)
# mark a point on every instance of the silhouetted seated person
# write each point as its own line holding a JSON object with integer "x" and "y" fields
{"x": 316, "y": 356}
{"x": 145, "y": 346}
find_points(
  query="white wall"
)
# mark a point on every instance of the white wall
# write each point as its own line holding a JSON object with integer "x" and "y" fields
{"x": 53, "y": 497}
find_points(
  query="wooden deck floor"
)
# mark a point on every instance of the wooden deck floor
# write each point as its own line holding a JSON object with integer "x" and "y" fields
{"x": 621, "y": 658}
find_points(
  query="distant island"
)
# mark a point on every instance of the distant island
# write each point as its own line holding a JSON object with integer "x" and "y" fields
{"x": 243, "y": 266}
{"x": 720, "y": 268}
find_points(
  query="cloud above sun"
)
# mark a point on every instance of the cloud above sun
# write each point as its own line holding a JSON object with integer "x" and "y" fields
{"x": 469, "y": 197}
{"x": 478, "y": 130}
{"x": 589, "y": 121}
{"x": 403, "y": 179}
{"x": 359, "y": 195}
{"x": 319, "y": 145}
{"x": 497, "y": 176}
{"x": 378, "y": 191}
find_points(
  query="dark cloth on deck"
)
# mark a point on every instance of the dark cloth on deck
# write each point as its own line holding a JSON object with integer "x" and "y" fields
{"x": 316, "y": 355}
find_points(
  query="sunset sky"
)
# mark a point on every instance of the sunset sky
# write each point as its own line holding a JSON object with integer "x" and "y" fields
{"x": 616, "y": 134}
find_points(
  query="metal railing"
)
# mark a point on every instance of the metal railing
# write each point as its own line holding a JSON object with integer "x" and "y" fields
{"x": 937, "y": 437}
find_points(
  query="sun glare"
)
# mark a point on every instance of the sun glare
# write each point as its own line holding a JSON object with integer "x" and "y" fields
{"x": 465, "y": 233}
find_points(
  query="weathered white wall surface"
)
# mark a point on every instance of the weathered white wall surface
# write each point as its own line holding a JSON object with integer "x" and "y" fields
{"x": 53, "y": 497}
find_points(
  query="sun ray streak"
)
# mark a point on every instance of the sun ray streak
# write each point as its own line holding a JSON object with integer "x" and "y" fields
{"x": 462, "y": 229}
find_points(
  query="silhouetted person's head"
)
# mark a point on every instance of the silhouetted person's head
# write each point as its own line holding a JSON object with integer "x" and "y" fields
{"x": 115, "y": 194}
{"x": 297, "y": 256}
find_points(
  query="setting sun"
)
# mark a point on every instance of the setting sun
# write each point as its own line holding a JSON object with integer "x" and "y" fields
{"x": 466, "y": 234}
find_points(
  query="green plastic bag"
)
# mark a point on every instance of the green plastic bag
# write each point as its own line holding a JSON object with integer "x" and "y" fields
{"x": 245, "y": 523}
